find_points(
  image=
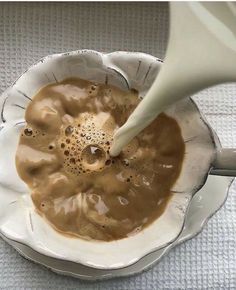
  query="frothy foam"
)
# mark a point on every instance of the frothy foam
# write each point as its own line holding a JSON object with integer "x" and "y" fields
{"x": 85, "y": 143}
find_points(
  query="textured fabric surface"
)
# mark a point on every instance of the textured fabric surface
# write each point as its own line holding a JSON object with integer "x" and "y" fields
{"x": 29, "y": 31}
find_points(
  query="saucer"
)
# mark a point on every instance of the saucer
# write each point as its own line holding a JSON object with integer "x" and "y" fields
{"x": 201, "y": 208}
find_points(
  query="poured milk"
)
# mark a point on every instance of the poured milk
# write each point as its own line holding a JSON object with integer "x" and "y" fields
{"x": 201, "y": 53}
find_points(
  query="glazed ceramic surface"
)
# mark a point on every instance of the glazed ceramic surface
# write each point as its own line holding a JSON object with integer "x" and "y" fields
{"x": 18, "y": 219}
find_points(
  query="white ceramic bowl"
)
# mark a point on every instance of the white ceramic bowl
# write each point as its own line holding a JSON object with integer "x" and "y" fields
{"x": 18, "y": 219}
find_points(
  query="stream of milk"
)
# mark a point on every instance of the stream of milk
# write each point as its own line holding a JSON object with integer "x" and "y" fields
{"x": 201, "y": 52}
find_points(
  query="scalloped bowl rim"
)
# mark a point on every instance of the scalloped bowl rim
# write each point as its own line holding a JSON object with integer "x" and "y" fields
{"x": 112, "y": 260}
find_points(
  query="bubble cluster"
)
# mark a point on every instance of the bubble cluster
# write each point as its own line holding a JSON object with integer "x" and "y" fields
{"x": 93, "y": 90}
{"x": 30, "y": 132}
{"x": 85, "y": 146}
{"x": 40, "y": 138}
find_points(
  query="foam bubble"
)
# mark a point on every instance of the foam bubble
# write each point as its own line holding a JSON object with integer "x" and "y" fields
{"x": 28, "y": 132}
{"x": 69, "y": 130}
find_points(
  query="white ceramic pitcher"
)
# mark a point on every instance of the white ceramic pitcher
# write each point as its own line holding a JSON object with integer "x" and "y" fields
{"x": 201, "y": 53}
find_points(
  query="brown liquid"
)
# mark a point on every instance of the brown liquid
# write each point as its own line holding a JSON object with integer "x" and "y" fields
{"x": 63, "y": 156}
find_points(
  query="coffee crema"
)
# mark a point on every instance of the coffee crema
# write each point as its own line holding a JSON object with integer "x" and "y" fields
{"x": 63, "y": 156}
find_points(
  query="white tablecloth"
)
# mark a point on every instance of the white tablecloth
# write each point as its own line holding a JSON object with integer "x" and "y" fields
{"x": 33, "y": 30}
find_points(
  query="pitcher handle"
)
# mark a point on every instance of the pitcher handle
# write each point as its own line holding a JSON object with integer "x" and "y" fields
{"x": 225, "y": 162}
